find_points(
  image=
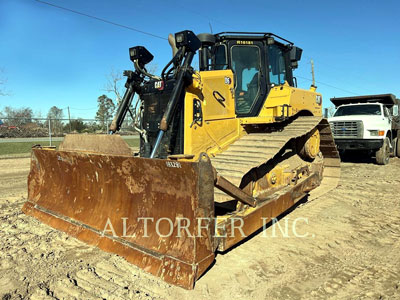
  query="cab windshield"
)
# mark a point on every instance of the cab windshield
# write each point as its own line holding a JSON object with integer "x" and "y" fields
{"x": 368, "y": 109}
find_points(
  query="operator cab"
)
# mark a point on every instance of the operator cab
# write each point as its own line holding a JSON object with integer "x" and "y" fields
{"x": 259, "y": 62}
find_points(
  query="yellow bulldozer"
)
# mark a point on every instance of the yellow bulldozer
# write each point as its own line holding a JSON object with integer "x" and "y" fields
{"x": 223, "y": 150}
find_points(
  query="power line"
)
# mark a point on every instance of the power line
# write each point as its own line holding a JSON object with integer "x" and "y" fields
{"x": 207, "y": 17}
{"x": 331, "y": 66}
{"x": 332, "y": 86}
{"x": 102, "y": 20}
{"x": 153, "y": 35}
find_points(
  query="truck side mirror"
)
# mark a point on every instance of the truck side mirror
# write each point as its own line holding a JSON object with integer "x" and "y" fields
{"x": 395, "y": 111}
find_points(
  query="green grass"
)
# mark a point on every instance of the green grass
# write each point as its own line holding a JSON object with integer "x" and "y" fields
{"x": 25, "y": 147}
{"x": 132, "y": 142}
{"x": 22, "y": 147}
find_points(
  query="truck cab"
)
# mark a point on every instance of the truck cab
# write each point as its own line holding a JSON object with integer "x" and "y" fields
{"x": 369, "y": 123}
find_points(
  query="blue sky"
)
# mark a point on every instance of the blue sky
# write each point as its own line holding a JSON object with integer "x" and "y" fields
{"x": 54, "y": 57}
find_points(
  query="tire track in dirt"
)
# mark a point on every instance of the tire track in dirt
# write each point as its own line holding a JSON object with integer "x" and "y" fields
{"x": 352, "y": 250}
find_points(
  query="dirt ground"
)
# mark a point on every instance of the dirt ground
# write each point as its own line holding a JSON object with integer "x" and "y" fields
{"x": 351, "y": 250}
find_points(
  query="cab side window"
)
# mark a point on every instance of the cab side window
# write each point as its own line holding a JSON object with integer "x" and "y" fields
{"x": 385, "y": 112}
{"x": 220, "y": 62}
{"x": 277, "y": 68}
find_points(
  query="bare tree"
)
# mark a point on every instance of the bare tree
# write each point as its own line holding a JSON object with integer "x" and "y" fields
{"x": 38, "y": 115}
{"x": 115, "y": 82}
{"x": 17, "y": 116}
{"x": 152, "y": 68}
{"x": 55, "y": 115}
{"x": 114, "y": 85}
{"x": 331, "y": 111}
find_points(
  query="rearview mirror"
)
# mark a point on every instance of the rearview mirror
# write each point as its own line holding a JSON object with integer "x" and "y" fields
{"x": 295, "y": 53}
{"x": 295, "y": 56}
{"x": 395, "y": 111}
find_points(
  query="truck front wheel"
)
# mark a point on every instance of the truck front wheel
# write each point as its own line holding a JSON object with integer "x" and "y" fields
{"x": 382, "y": 155}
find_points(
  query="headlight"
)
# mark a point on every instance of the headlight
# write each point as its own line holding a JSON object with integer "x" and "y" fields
{"x": 376, "y": 132}
{"x": 141, "y": 54}
{"x": 373, "y": 132}
{"x": 318, "y": 99}
{"x": 188, "y": 39}
{"x": 180, "y": 38}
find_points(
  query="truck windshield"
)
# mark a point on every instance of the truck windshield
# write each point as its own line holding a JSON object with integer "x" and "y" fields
{"x": 358, "y": 110}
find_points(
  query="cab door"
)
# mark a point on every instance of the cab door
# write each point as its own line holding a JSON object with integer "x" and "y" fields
{"x": 247, "y": 61}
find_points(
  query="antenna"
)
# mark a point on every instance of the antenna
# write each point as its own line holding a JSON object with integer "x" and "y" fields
{"x": 209, "y": 23}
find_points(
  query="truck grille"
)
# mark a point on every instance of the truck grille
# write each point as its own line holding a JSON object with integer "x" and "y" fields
{"x": 347, "y": 129}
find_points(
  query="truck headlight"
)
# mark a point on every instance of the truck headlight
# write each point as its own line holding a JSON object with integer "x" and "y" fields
{"x": 376, "y": 132}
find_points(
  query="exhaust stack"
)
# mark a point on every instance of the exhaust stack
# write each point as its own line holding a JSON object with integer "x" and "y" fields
{"x": 172, "y": 43}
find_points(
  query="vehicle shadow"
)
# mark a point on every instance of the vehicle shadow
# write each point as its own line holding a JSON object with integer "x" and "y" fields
{"x": 357, "y": 157}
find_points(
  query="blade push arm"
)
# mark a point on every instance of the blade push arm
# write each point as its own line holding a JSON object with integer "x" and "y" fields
{"x": 131, "y": 87}
{"x": 188, "y": 43}
{"x": 140, "y": 56}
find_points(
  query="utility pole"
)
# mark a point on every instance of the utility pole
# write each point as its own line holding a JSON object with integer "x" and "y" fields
{"x": 312, "y": 72}
{"x": 49, "y": 131}
{"x": 69, "y": 118}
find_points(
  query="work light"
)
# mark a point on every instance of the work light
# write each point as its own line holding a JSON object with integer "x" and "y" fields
{"x": 141, "y": 54}
{"x": 187, "y": 38}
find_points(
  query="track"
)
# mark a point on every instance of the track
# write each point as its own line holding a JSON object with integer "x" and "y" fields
{"x": 256, "y": 149}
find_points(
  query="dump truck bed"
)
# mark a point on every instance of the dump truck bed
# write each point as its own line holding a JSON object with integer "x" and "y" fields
{"x": 387, "y": 99}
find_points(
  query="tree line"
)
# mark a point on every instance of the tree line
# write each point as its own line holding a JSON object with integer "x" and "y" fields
{"x": 59, "y": 118}
{"x": 24, "y": 118}
{"x": 60, "y": 123}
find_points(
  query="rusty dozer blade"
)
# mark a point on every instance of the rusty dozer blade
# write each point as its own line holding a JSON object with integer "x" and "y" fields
{"x": 145, "y": 210}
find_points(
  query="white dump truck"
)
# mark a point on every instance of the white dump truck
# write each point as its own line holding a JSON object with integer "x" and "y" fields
{"x": 370, "y": 123}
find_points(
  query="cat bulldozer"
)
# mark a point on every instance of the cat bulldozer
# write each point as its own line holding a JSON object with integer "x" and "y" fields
{"x": 223, "y": 150}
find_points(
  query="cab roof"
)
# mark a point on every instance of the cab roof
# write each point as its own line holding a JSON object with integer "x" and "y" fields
{"x": 234, "y": 35}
